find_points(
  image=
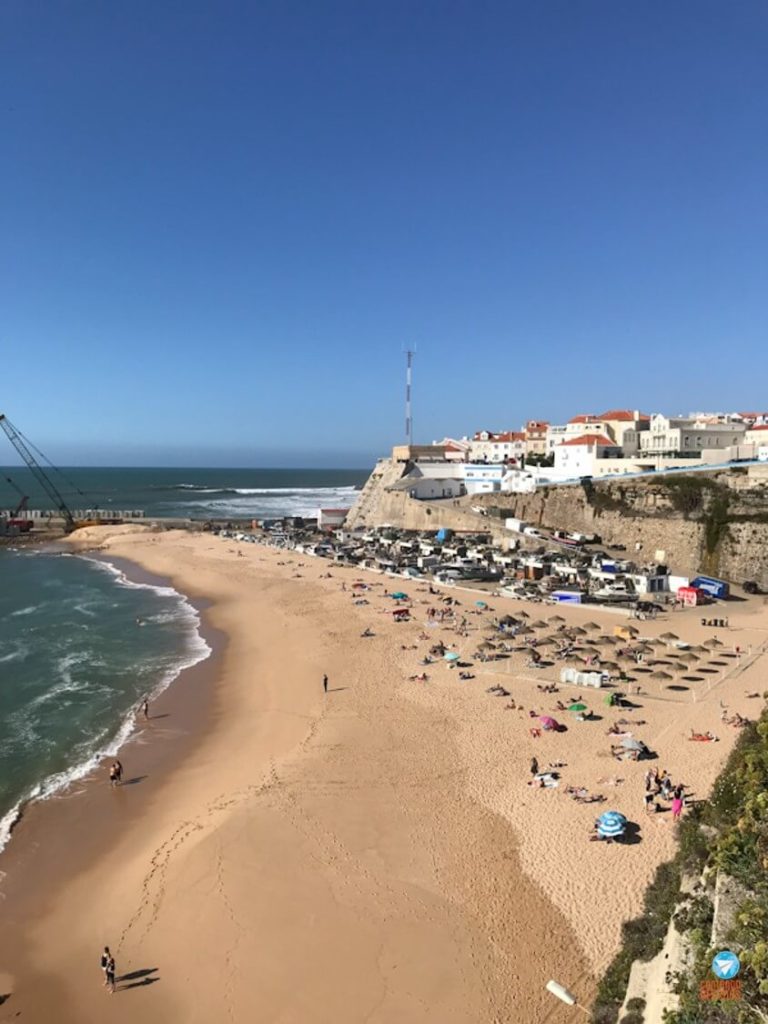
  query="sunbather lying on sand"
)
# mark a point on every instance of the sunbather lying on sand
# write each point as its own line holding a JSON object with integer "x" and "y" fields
{"x": 702, "y": 737}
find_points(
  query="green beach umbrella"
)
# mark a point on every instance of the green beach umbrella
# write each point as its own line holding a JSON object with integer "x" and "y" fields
{"x": 578, "y": 707}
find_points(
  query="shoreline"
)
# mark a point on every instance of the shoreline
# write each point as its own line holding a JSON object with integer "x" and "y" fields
{"x": 58, "y": 784}
{"x": 382, "y": 837}
{"x": 61, "y": 836}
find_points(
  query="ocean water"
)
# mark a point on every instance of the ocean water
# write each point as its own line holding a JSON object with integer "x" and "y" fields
{"x": 192, "y": 493}
{"x": 80, "y": 645}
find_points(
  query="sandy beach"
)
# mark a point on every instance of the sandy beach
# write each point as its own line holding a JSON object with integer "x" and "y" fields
{"x": 374, "y": 854}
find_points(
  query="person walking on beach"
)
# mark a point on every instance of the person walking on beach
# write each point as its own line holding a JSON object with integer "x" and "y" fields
{"x": 116, "y": 773}
{"x": 145, "y": 707}
{"x": 109, "y": 973}
{"x": 325, "y": 684}
{"x": 534, "y": 766}
{"x": 106, "y": 956}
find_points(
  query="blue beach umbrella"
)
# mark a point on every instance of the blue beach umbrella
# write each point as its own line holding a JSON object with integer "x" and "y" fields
{"x": 399, "y": 595}
{"x": 481, "y": 604}
{"x": 451, "y": 656}
{"x": 611, "y": 824}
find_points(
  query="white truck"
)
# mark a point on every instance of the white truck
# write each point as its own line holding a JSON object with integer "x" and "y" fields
{"x": 518, "y": 525}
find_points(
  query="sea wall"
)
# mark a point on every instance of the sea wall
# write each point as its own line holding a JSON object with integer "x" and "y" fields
{"x": 713, "y": 523}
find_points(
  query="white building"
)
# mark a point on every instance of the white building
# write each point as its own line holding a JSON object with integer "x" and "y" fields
{"x": 427, "y": 481}
{"x": 487, "y": 446}
{"x": 518, "y": 481}
{"x": 480, "y": 478}
{"x": 576, "y": 456}
{"x": 688, "y": 438}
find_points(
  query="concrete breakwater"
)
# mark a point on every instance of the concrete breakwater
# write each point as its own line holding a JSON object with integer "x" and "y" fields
{"x": 713, "y": 523}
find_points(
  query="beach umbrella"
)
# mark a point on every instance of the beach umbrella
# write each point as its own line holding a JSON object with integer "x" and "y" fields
{"x": 660, "y": 676}
{"x": 451, "y": 656}
{"x": 605, "y": 639}
{"x": 577, "y": 631}
{"x": 555, "y": 618}
{"x": 480, "y": 604}
{"x": 611, "y": 824}
{"x": 538, "y": 624}
{"x": 632, "y": 630}
{"x": 547, "y": 641}
{"x": 669, "y": 636}
{"x": 524, "y": 631}
{"x": 713, "y": 643}
{"x": 486, "y": 645}
{"x": 522, "y": 615}
{"x": 548, "y": 722}
{"x": 399, "y": 595}
{"x": 609, "y": 666}
{"x": 631, "y": 744}
{"x": 591, "y": 626}
{"x": 578, "y": 706}
{"x": 588, "y": 652}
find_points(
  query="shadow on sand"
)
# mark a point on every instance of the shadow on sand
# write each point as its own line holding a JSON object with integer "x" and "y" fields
{"x": 137, "y": 979}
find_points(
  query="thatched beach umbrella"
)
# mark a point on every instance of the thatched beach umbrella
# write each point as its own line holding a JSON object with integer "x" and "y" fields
{"x": 632, "y": 630}
{"x": 554, "y": 619}
{"x": 524, "y": 631}
{"x": 591, "y": 626}
{"x": 713, "y": 643}
{"x": 538, "y": 624}
{"x": 523, "y": 615}
{"x": 660, "y": 676}
{"x": 609, "y": 666}
{"x": 669, "y": 636}
{"x": 486, "y": 645}
{"x": 609, "y": 641}
{"x": 577, "y": 631}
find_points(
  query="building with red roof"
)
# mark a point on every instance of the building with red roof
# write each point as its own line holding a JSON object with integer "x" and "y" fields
{"x": 575, "y": 456}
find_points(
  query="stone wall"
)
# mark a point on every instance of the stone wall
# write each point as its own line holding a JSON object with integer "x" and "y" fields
{"x": 705, "y": 523}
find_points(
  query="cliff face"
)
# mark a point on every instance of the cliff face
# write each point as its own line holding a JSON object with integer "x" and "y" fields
{"x": 702, "y": 523}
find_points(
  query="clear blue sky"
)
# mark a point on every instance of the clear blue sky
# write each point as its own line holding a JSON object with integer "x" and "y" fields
{"x": 222, "y": 222}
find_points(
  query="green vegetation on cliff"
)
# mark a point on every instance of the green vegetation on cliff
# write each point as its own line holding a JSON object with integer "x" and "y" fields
{"x": 728, "y": 834}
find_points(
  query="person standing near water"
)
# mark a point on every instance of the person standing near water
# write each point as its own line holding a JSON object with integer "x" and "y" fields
{"x": 145, "y": 707}
{"x": 325, "y": 684}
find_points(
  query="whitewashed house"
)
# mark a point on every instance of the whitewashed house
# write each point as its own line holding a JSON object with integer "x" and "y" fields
{"x": 576, "y": 456}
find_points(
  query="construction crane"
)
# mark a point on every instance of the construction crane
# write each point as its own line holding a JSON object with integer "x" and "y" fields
{"x": 23, "y": 447}
{"x": 23, "y": 498}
